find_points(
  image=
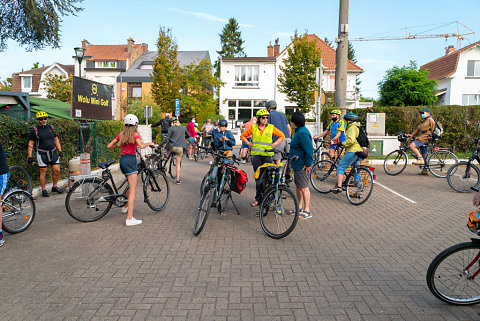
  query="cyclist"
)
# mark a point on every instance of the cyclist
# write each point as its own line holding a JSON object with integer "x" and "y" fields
{"x": 165, "y": 124}
{"x": 4, "y": 176}
{"x": 128, "y": 140}
{"x": 337, "y": 129}
{"x": 244, "y": 148}
{"x": 301, "y": 146}
{"x": 176, "y": 143}
{"x": 49, "y": 151}
{"x": 262, "y": 136}
{"x": 224, "y": 140}
{"x": 280, "y": 121}
{"x": 351, "y": 147}
{"x": 207, "y": 130}
{"x": 191, "y": 139}
{"x": 424, "y": 132}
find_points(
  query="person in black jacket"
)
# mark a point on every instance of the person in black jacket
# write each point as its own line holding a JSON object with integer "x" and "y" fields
{"x": 165, "y": 124}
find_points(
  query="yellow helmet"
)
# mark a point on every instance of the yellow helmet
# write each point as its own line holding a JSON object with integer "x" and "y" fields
{"x": 262, "y": 112}
{"x": 41, "y": 114}
{"x": 336, "y": 111}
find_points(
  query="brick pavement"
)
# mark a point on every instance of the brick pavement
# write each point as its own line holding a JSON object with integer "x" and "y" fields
{"x": 346, "y": 263}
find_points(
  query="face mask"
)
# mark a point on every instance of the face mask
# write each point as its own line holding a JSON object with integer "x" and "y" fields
{"x": 424, "y": 115}
{"x": 334, "y": 118}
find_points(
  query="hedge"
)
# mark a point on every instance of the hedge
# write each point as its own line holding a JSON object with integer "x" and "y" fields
{"x": 461, "y": 124}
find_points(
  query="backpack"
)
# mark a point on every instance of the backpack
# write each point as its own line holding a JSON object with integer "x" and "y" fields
{"x": 35, "y": 128}
{"x": 239, "y": 181}
{"x": 362, "y": 138}
{"x": 165, "y": 125}
{"x": 437, "y": 130}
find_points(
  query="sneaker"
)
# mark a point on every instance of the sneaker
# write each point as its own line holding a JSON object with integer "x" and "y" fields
{"x": 178, "y": 182}
{"x": 423, "y": 172}
{"x": 336, "y": 189}
{"x": 133, "y": 222}
{"x": 419, "y": 162}
{"x": 57, "y": 190}
{"x": 2, "y": 240}
{"x": 45, "y": 193}
{"x": 243, "y": 161}
{"x": 210, "y": 163}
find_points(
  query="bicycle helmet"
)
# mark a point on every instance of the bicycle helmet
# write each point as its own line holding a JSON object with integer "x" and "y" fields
{"x": 223, "y": 123}
{"x": 262, "y": 112}
{"x": 350, "y": 117}
{"x": 41, "y": 114}
{"x": 171, "y": 120}
{"x": 336, "y": 111}
{"x": 130, "y": 119}
{"x": 271, "y": 104}
{"x": 215, "y": 123}
{"x": 473, "y": 223}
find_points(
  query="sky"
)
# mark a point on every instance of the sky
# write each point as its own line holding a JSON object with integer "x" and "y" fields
{"x": 196, "y": 25}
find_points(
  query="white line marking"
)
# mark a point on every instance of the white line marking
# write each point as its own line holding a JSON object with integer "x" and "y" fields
{"x": 396, "y": 193}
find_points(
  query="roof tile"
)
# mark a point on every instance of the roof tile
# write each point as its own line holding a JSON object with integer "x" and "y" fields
{"x": 108, "y": 52}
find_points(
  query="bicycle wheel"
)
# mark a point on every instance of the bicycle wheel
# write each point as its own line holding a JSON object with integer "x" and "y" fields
{"x": 86, "y": 201}
{"x": 449, "y": 274}
{"x": 204, "y": 208}
{"x": 462, "y": 180}
{"x": 440, "y": 161}
{"x": 395, "y": 162}
{"x": 156, "y": 190}
{"x": 20, "y": 179}
{"x": 204, "y": 181}
{"x": 196, "y": 153}
{"x": 224, "y": 195}
{"x": 323, "y": 176}
{"x": 18, "y": 211}
{"x": 172, "y": 170}
{"x": 152, "y": 162}
{"x": 278, "y": 211}
{"x": 358, "y": 192}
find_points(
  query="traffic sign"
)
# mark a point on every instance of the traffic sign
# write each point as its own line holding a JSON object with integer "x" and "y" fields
{"x": 177, "y": 107}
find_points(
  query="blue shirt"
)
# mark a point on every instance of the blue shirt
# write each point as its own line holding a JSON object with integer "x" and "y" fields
{"x": 224, "y": 145}
{"x": 333, "y": 127}
{"x": 301, "y": 146}
{"x": 280, "y": 122}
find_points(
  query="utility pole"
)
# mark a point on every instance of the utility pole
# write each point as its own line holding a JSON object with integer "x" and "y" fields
{"x": 341, "y": 58}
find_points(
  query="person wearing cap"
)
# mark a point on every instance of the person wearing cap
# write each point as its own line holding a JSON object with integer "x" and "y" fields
{"x": 262, "y": 140}
{"x": 49, "y": 151}
{"x": 422, "y": 135}
{"x": 337, "y": 129}
{"x": 280, "y": 122}
{"x": 165, "y": 124}
{"x": 224, "y": 139}
{"x": 129, "y": 139}
{"x": 175, "y": 143}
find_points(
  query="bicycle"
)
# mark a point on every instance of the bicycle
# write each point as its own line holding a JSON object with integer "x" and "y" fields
{"x": 199, "y": 153}
{"x": 166, "y": 162}
{"x": 452, "y": 274}
{"x": 358, "y": 183}
{"x": 90, "y": 198}
{"x": 20, "y": 179}
{"x": 217, "y": 188}
{"x": 18, "y": 210}
{"x": 279, "y": 209}
{"x": 321, "y": 151}
{"x": 465, "y": 175}
{"x": 437, "y": 161}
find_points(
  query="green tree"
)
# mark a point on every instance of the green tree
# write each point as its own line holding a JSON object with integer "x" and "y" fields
{"x": 198, "y": 84}
{"x": 58, "y": 87}
{"x": 166, "y": 72}
{"x": 231, "y": 42}
{"x": 407, "y": 86}
{"x": 297, "y": 77}
{"x": 7, "y": 84}
{"x": 35, "y": 24}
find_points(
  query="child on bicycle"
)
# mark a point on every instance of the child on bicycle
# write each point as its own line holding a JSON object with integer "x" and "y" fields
{"x": 224, "y": 139}
{"x": 128, "y": 140}
{"x": 4, "y": 176}
{"x": 337, "y": 129}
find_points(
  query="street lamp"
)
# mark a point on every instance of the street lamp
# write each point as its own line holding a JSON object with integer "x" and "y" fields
{"x": 79, "y": 52}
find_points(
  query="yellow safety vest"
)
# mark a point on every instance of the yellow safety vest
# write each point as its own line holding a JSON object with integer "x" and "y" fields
{"x": 262, "y": 142}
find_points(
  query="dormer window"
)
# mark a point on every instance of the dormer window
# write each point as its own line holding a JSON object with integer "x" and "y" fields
{"x": 106, "y": 64}
{"x": 146, "y": 67}
{"x": 26, "y": 82}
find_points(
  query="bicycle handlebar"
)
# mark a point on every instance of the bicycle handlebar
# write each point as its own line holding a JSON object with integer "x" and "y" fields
{"x": 284, "y": 154}
{"x": 213, "y": 152}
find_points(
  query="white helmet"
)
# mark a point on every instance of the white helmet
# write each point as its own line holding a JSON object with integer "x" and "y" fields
{"x": 130, "y": 119}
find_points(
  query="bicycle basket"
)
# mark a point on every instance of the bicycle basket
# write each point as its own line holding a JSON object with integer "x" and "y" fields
{"x": 239, "y": 181}
{"x": 473, "y": 223}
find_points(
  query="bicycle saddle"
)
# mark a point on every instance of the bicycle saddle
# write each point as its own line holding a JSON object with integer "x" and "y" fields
{"x": 228, "y": 162}
{"x": 272, "y": 168}
{"x": 106, "y": 164}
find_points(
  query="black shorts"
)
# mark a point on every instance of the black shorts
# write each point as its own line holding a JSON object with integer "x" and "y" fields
{"x": 45, "y": 158}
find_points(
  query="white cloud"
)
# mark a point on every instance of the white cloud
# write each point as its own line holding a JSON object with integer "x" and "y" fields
{"x": 206, "y": 16}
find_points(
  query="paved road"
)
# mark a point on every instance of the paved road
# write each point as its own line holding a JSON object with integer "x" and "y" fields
{"x": 346, "y": 263}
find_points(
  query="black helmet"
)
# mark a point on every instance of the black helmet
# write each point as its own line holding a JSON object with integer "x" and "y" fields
{"x": 171, "y": 120}
{"x": 271, "y": 104}
{"x": 223, "y": 123}
{"x": 350, "y": 116}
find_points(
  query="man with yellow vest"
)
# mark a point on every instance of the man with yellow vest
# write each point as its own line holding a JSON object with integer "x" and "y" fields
{"x": 262, "y": 139}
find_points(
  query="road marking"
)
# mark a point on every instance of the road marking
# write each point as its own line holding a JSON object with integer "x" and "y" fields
{"x": 396, "y": 193}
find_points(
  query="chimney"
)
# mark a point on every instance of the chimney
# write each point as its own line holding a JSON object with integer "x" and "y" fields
{"x": 270, "y": 50}
{"x": 276, "y": 48}
{"x": 144, "y": 47}
{"x": 130, "y": 43}
{"x": 85, "y": 44}
{"x": 449, "y": 49}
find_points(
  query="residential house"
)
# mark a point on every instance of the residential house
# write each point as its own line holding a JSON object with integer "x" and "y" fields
{"x": 30, "y": 81}
{"x": 103, "y": 63}
{"x": 458, "y": 75}
{"x": 136, "y": 82}
{"x": 251, "y": 81}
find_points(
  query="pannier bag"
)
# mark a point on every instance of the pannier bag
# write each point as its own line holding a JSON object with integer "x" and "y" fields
{"x": 239, "y": 181}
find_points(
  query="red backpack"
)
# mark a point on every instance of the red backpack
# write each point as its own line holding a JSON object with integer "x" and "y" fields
{"x": 239, "y": 181}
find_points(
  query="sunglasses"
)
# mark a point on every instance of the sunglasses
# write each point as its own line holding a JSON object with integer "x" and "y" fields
{"x": 264, "y": 117}
{"x": 43, "y": 118}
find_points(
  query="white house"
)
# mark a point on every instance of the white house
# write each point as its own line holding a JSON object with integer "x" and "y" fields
{"x": 458, "y": 75}
{"x": 251, "y": 81}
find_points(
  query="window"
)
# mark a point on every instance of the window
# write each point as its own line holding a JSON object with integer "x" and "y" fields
{"x": 472, "y": 99}
{"x": 27, "y": 82}
{"x": 246, "y": 75}
{"x": 331, "y": 86}
{"x": 106, "y": 64}
{"x": 146, "y": 67}
{"x": 473, "y": 68}
{"x": 134, "y": 90}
